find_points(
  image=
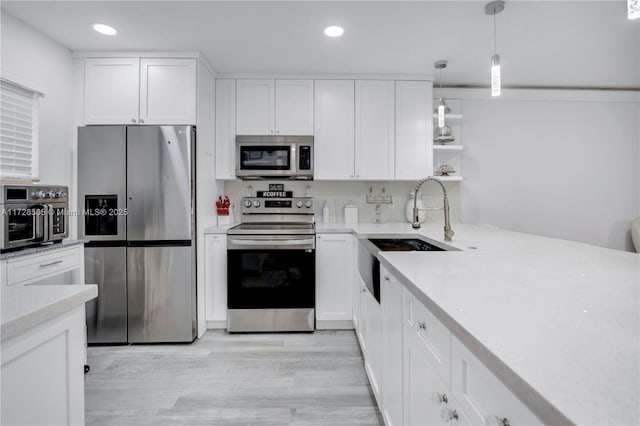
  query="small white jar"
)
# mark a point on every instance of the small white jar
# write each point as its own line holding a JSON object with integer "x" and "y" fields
{"x": 422, "y": 216}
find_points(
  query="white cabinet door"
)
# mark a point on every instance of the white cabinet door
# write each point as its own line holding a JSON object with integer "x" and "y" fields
{"x": 334, "y": 277}
{"x": 372, "y": 335}
{"x": 375, "y": 130}
{"x": 111, "y": 90}
{"x": 482, "y": 395}
{"x": 391, "y": 298}
{"x": 255, "y": 107}
{"x": 215, "y": 270}
{"x": 334, "y": 130}
{"x": 422, "y": 386}
{"x": 225, "y": 129}
{"x": 167, "y": 91}
{"x": 414, "y": 130}
{"x": 358, "y": 310}
{"x": 294, "y": 107}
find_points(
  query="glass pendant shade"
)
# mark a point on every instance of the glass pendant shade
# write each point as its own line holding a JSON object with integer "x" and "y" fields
{"x": 633, "y": 9}
{"x": 495, "y": 76}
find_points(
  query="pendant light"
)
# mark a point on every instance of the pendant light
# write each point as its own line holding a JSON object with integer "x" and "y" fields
{"x": 633, "y": 9}
{"x": 442, "y": 107}
{"x": 493, "y": 8}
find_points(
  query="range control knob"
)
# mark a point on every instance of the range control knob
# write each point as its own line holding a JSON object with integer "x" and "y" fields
{"x": 38, "y": 194}
{"x": 256, "y": 203}
{"x": 247, "y": 203}
{"x": 308, "y": 204}
{"x": 299, "y": 204}
{"x": 60, "y": 194}
{"x": 50, "y": 194}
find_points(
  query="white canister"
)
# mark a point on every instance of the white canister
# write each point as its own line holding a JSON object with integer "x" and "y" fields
{"x": 350, "y": 213}
{"x": 422, "y": 216}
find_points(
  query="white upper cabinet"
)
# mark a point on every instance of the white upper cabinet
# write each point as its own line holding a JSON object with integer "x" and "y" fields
{"x": 274, "y": 107}
{"x": 334, "y": 130}
{"x": 414, "y": 130}
{"x": 135, "y": 91}
{"x": 255, "y": 107}
{"x": 167, "y": 91}
{"x": 294, "y": 107}
{"x": 375, "y": 130}
{"x": 225, "y": 128}
{"x": 111, "y": 90}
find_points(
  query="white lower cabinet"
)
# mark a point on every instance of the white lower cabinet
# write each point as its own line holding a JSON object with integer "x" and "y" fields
{"x": 371, "y": 315}
{"x": 215, "y": 271}
{"x": 391, "y": 298}
{"x": 481, "y": 394}
{"x": 334, "y": 280}
{"x": 420, "y": 373}
{"x": 43, "y": 373}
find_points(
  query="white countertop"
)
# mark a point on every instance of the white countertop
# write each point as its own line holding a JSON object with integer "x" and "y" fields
{"x": 558, "y": 321}
{"x": 25, "y": 307}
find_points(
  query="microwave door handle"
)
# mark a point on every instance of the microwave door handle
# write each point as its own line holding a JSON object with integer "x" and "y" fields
{"x": 294, "y": 159}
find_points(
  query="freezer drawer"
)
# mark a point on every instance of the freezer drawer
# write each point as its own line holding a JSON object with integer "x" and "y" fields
{"x": 161, "y": 290}
{"x": 107, "y": 315}
{"x": 159, "y": 183}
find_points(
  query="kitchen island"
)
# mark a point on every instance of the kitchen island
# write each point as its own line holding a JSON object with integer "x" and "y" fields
{"x": 556, "y": 321}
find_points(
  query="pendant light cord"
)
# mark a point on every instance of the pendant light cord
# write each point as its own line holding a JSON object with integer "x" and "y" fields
{"x": 495, "y": 37}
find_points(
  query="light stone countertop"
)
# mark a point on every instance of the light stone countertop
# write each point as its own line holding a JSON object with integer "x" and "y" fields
{"x": 40, "y": 249}
{"x": 557, "y": 321}
{"x": 28, "y": 306}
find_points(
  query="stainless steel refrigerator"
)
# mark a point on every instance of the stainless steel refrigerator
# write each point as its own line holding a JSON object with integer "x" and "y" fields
{"x": 136, "y": 189}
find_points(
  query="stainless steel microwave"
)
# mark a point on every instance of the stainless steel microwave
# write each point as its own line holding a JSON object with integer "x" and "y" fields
{"x": 274, "y": 157}
{"x": 32, "y": 215}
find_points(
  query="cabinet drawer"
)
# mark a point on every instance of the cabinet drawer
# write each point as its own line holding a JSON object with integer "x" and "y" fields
{"x": 33, "y": 268}
{"x": 431, "y": 332}
{"x": 481, "y": 395}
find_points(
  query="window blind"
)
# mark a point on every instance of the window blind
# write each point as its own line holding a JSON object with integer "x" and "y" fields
{"x": 18, "y": 132}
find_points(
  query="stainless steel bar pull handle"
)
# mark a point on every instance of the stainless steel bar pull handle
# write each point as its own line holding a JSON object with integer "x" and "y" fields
{"x": 271, "y": 242}
{"x": 55, "y": 262}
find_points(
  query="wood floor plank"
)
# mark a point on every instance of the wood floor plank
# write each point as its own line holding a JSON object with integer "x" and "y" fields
{"x": 233, "y": 380}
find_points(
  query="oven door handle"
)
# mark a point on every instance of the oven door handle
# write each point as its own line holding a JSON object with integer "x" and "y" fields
{"x": 259, "y": 243}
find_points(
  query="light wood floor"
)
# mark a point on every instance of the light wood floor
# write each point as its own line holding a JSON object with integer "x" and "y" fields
{"x": 238, "y": 379}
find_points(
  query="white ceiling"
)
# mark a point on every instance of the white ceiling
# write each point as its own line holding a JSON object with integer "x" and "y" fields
{"x": 542, "y": 43}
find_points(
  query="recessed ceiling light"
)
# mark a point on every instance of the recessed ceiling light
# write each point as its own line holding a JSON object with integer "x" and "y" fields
{"x": 334, "y": 31}
{"x": 105, "y": 29}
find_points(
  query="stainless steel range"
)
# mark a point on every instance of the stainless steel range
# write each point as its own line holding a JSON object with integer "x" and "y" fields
{"x": 271, "y": 266}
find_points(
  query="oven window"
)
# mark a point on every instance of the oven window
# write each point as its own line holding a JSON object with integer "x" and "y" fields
{"x": 270, "y": 279}
{"x": 262, "y": 158}
{"x": 22, "y": 224}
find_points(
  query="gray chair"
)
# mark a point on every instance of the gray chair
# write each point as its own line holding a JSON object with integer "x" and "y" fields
{"x": 635, "y": 233}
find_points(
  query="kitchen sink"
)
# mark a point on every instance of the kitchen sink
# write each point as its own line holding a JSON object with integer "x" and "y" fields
{"x": 404, "y": 244}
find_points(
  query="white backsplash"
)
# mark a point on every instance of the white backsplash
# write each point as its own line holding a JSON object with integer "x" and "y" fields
{"x": 338, "y": 194}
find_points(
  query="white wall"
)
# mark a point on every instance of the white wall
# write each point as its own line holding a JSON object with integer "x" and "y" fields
{"x": 38, "y": 61}
{"x": 558, "y": 168}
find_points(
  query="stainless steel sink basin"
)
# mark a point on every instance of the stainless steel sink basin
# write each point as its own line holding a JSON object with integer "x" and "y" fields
{"x": 402, "y": 242}
{"x": 410, "y": 244}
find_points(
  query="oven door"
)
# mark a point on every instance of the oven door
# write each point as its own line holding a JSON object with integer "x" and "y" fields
{"x": 271, "y": 271}
{"x": 23, "y": 225}
{"x": 265, "y": 160}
